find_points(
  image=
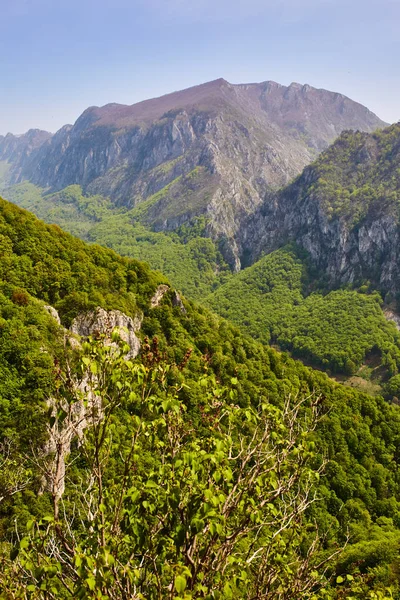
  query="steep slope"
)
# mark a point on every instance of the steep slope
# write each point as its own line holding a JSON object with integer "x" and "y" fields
{"x": 343, "y": 209}
{"x": 16, "y": 150}
{"x": 210, "y": 150}
{"x": 343, "y": 331}
{"x": 190, "y": 259}
{"x": 40, "y": 264}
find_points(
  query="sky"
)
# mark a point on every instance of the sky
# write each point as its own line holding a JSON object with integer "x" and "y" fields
{"x": 57, "y": 57}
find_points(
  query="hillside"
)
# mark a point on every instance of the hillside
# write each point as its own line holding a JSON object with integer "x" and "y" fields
{"x": 188, "y": 257}
{"x": 212, "y": 150}
{"x": 194, "y": 365}
{"x": 342, "y": 331}
{"x": 343, "y": 209}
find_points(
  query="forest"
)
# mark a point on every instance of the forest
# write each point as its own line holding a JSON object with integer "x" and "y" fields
{"x": 342, "y": 331}
{"x": 279, "y": 300}
{"x": 213, "y": 464}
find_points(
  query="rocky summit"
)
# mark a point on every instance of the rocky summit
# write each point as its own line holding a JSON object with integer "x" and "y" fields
{"x": 213, "y": 150}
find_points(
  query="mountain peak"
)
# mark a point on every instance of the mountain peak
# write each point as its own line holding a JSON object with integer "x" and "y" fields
{"x": 216, "y": 148}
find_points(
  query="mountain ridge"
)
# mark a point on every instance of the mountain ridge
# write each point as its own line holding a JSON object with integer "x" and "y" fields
{"x": 343, "y": 209}
{"x": 212, "y": 150}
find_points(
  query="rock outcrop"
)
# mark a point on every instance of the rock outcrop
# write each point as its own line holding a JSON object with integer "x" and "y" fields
{"x": 390, "y": 315}
{"x": 86, "y": 409}
{"x": 212, "y": 150}
{"x": 17, "y": 150}
{"x": 103, "y": 322}
{"x": 177, "y": 301}
{"x": 76, "y": 417}
{"x": 343, "y": 210}
{"x": 52, "y": 311}
{"x": 159, "y": 295}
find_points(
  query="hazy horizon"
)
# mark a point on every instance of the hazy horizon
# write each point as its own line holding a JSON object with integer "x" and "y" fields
{"x": 59, "y": 59}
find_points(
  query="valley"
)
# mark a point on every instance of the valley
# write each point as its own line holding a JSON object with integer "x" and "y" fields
{"x": 199, "y": 353}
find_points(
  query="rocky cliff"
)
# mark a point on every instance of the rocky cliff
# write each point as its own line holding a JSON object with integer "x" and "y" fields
{"x": 213, "y": 150}
{"x": 344, "y": 210}
{"x": 18, "y": 149}
{"x": 86, "y": 410}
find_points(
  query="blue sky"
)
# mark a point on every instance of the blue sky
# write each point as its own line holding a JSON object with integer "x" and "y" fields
{"x": 58, "y": 57}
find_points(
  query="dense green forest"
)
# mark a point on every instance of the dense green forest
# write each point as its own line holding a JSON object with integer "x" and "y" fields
{"x": 154, "y": 498}
{"x": 344, "y": 331}
{"x": 189, "y": 258}
{"x": 359, "y": 175}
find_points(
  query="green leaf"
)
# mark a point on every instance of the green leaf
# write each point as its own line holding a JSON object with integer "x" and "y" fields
{"x": 91, "y": 582}
{"x": 180, "y": 583}
{"x": 30, "y": 525}
{"x": 24, "y": 543}
{"x": 93, "y": 367}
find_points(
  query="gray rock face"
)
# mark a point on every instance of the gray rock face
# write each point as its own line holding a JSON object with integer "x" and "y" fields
{"x": 159, "y": 295}
{"x": 390, "y": 315}
{"x": 347, "y": 253}
{"x": 105, "y": 322}
{"x": 87, "y": 408}
{"x": 52, "y": 311}
{"x": 177, "y": 301}
{"x": 18, "y": 149}
{"x": 79, "y": 415}
{"x": 212, "y": 150}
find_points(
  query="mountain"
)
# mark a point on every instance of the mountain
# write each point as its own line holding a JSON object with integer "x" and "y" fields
{"x": 16, "y": 150}
{"x": 343, "y": 209}
{"x": 173, "y": 430}
{"x": 211, "y": 150}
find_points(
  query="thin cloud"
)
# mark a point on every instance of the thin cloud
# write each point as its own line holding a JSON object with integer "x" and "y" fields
{"x": 233, "y": 10}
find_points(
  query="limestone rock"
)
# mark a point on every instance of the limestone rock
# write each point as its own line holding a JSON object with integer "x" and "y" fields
{"x": 390, "y": 315}
{"x": 79, "y": 415}
{"x": 100, "y": 321}
{"x": 214, "y": 150}
{"x": 159, "y": 295}
{"x": 87, "y": 409}
{"x": 177, "y": 301}
{"x": 52, "y": 311}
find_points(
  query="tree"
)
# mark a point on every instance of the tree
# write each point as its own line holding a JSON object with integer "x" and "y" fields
{"x": 170, "y": 503}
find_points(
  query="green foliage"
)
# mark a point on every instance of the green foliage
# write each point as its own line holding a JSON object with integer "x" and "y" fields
{"x": 173, "y": 511}
{"x": 53, "y": 266}
{"x": 358, "y": 176}
{"x": 358, "y": 435}
{"x": 68, "y": 208}
{"x": 337, "y": 331}
{"x": 193, "y": 267}
{"x": 188, "y": 258}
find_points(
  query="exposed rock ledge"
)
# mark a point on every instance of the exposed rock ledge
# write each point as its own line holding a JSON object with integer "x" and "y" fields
{"x": 78, "y": 415}
{"x": 159, "y": 295}
{"x": 101, "y": 321}
{"x": 392, "y": 316}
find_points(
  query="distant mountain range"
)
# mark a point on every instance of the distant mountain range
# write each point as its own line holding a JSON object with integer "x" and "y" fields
{"x": 212, "y": 150}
